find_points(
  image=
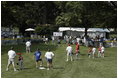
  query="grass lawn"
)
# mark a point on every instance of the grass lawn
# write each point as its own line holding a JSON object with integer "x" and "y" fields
{"x": 83, "y": 68}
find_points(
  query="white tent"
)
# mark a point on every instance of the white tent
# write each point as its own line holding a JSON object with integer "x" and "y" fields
{"x": 83, "y": 29}
{"x": 92, "y": 32}
{"x": 30, "y": 29}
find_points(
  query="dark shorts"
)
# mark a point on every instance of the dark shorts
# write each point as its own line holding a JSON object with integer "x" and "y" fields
{"x": 49, "y": 60}
{"x": 38, "y": 60}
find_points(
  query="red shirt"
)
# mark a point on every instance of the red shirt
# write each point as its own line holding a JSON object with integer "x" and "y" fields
{"x": 77, "y": 47}
{"x": 20, "y": 58}
{"x": 99, "y": 49}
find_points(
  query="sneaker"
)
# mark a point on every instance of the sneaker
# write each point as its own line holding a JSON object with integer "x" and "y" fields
{"x": 15, "y": 70}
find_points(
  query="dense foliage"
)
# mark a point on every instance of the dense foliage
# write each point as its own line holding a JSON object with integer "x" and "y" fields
{"x": 40, "y": 14}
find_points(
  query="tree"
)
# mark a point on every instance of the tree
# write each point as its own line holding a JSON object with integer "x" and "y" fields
{"x": 87, "y": 14}
{"x": 24, "y": 14}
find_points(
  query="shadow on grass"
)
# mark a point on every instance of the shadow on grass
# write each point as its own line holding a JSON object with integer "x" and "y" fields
{"x": 82, "y": 54}
{"x": 58, "y": 67}
{"x": 24, "y": 69}
{"x": 55, "y": 67}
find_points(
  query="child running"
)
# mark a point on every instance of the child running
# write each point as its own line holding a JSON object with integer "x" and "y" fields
{"x": 37, "y": 55}
{"x": 49, "y": 56}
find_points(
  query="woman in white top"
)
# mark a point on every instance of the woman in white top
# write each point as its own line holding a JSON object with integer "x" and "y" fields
{"x": 49, "y": 56}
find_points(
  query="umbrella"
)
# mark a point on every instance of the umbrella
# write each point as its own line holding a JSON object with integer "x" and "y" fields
{"x": 29, "y": 29}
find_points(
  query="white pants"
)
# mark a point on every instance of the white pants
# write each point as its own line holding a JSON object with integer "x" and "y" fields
{"x": 28, "y": 48}
{"x": 11, "y": 61}
{"x": 69, "y": 55}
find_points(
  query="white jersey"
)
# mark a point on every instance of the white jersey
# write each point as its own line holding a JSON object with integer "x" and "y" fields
{"x": 102, "y": 49}
{"x": 93, "y": 50}
{"x": 49, "y": 55}
{"x": 11, "y": 54}
{"x": 69, "y": 49}
{"x": 28, "y": 43}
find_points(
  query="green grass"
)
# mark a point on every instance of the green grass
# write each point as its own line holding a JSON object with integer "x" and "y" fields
{"x": 82, "y": 68}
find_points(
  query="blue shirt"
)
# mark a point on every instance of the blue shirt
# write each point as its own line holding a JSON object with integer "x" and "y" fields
{"x": 37, "y": 55}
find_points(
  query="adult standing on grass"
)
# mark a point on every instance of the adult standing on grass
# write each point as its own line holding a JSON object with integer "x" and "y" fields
{"x": 69, "y": 52}
{"x": 49, "y": 56}
{"x": 11, "y": 57}
{"x": 37, "y": 55}
{"x": 28, "y": 44}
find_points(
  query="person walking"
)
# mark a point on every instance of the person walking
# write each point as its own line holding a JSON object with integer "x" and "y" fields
{"x": 11, "y": 57}
{"x": 49, "y": 57}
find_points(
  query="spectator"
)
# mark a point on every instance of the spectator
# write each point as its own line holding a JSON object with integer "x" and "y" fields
{"x": 28, "y": 44}
{"x": 46, "y": 40}
{"x": 53, "y": 39}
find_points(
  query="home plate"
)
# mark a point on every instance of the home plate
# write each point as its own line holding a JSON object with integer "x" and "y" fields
{"x": 42, "y": 68}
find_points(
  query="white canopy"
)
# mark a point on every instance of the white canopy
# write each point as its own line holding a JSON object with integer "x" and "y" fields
{"x": 30, "y": 29}
{"x": 83, "y": 29}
